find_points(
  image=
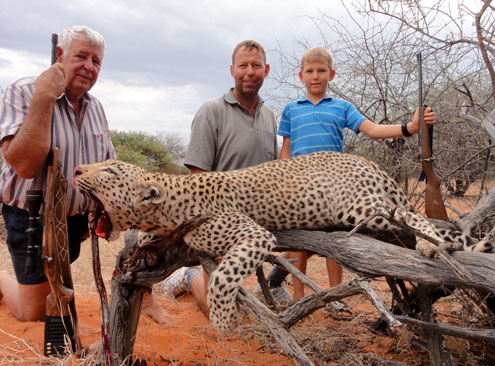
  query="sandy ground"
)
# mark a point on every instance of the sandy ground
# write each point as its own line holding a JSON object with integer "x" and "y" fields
{"x": 189, "y": 339}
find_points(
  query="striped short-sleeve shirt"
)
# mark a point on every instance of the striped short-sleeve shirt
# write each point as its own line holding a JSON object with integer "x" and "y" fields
{"x": 318, "y": 127}
{"x": 88, "y": 144}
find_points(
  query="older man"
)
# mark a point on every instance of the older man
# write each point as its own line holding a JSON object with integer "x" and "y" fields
{"x": 54, "y": 109}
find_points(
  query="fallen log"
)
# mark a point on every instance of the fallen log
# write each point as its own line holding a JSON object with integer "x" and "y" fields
{"x": 360, "y": 254}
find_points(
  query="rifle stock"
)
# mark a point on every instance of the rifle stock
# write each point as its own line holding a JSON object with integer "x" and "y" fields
{"x": 434, "y": 207}
{"x": 61, "y": 318}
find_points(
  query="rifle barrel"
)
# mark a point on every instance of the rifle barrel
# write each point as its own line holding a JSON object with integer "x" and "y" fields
{"x": 54, "y": 48}
{"x": 420, "y": 104}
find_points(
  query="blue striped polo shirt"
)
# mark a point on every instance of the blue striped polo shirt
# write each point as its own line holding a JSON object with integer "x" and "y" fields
{"x": 88, "y": 144}
{"x": 318, "y": 127}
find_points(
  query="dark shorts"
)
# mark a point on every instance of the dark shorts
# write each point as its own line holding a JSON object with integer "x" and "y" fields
{"x": 16, "y": 223}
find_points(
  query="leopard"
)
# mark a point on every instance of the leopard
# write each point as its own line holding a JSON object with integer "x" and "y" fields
{"x": 318, "y": 191}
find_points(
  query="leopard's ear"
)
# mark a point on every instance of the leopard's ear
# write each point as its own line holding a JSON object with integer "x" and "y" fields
{"x": 149, "y": 193}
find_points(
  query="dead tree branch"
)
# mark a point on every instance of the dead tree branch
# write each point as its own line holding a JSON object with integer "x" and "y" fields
{"x": 358, "y": 253}
{"x": 484, "y": 209}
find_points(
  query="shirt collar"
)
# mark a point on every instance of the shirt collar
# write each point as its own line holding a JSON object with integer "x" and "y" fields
{"x": 230, "y": 98}
{"x": 304, "y": 99}
{"x": 86, "y": 98}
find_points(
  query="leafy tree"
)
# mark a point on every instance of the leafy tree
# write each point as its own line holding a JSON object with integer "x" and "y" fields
{"x": 144, "y": 150}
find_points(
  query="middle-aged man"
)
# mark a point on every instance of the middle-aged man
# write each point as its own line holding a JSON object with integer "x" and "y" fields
{"x": 54, "y": 109}
{"x": 230, "y": 132}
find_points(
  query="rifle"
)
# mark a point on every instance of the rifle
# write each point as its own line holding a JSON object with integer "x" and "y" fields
{"x": 434, "y": 206}
{"x": 61, "y": 325}
{"x": 34, "y": 198}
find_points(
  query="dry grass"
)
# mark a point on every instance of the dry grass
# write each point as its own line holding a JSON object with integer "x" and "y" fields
{"x": 352, "y": 343}
{"x": 18, "y": 351}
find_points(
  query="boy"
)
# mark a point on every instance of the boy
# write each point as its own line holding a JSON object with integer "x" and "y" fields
{"x": 315, "y": 123}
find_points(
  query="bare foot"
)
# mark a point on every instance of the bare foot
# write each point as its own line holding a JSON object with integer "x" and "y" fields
{"x": 153, "y": 309}
{"x": 3, "y": 274}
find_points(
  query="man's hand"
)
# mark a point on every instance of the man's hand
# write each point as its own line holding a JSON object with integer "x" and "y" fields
{"x": 51, "y": 82}
{"x": 429, "y": 117}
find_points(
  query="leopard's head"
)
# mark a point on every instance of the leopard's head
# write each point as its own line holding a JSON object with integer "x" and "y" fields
{"x": 121, "y": 194}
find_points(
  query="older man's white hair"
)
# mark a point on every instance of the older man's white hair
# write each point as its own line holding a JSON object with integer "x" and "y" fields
{"x": 70, "y": 34}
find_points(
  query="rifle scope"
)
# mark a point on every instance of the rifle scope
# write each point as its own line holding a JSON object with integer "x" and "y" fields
{"x": 34, "y": 198}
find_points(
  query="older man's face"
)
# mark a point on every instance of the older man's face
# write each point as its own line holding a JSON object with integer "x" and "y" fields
{"x": 82, "y": 63}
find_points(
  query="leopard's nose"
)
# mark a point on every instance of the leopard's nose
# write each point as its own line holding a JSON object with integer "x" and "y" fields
{"x": 77, "y": 172}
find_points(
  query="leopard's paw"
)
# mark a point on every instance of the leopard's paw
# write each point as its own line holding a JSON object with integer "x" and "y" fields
{"x": 427, "y": 249}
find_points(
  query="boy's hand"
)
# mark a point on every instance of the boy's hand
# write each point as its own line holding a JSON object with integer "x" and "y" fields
{"x": 429, "y": 117}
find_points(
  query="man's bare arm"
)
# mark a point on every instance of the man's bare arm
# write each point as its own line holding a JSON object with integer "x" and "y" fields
{"x": 194, "y": 169}
{"x": 285, "y": 150}
{"x": 26, "y": 151}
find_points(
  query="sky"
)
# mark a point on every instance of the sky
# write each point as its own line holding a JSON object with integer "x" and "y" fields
{"x": 163, "y": 58}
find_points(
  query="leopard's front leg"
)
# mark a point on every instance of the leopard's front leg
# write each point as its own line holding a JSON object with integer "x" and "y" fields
{"x": 244, "y": 245}
{"x": 239, "y": 263}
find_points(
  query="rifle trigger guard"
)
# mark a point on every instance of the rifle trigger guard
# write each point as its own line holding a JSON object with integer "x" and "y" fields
{"x": 48, "y": 259}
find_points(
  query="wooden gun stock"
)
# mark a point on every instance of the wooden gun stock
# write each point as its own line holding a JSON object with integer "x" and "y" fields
{"x": 434, "y": 206}
{"x": 61, "y": 318}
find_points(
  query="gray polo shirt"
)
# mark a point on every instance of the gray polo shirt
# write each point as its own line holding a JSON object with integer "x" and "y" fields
{"x": 225, "y": 136}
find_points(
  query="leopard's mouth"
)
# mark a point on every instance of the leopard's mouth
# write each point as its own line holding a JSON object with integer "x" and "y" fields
{"x": 103, "y": 227}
